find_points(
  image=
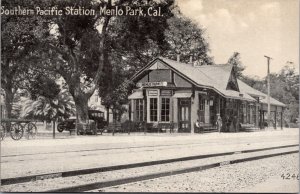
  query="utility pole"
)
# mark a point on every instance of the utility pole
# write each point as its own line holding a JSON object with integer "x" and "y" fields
{"x": 269, "y": 108}
{"x": 291, "y": 63}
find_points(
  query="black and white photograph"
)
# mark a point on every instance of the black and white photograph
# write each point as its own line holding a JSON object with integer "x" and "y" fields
{"x": 186, "y": 96}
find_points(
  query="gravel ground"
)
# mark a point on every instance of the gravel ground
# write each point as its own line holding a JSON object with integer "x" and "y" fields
{"x": 256, "y": 176}
{"x": 14, "y": 166}
{"x": 49, "y": 184}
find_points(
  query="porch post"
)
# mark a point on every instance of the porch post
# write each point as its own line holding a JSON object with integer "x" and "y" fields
{"x": 129, "y": 111}
{"x": 275, "y": 115}
{"x": 219, "y": 105}
{"x": 132, "y": 110}
{"x": 238, "y": 116}
{"x": 256, "y": 116}
{"x": 281, "y": 119}
{"x": 263, "y": 112}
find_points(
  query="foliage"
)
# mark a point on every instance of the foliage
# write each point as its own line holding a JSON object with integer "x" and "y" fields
{"x": 90, "y": 52}
{"x": 79, "y": 47}
{"x": 20, "y": 36}
{"x": 16, "y": 106}
{"x": 136, "y": 41}
{"x": 62, "y": 106}
{"x": 43, "y": 86}
{"x": 186, "y": 39}
{"x": 132, "y": 43}
{"x": 238, "y": 66}
{"x": 284, "y": 86}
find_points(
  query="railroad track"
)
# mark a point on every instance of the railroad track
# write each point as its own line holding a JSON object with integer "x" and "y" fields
{"x": 157, "y": 147}
{"x": 119, "y": 148}
{"x": 283, "y": 150}
{"x": 102, "y": 149}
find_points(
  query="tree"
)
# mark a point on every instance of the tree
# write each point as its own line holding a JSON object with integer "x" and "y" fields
{"x": 186, "y": 39}
{"x": 136, "y": 41}
{"x": 237, "y": 64}
{"x": 284, "y": 87}
{"x": 289, "y": 76}
{"x": 80, "y": 48}
{"x": 42, "y": 85}
{"x": 133, "y": 42}
{"x": 255, "y": 82}
{"x": 45, "y": 108}
{"x": 20, "y": 36}
{"x": 289, "y": 82}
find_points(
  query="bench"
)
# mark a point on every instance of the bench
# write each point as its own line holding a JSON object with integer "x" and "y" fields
{"x": 247, "y": 125}
{"x": 160, "y": 127}
{"x": 152, "y": 127}
{"x": 205, "y": 128}
{"x": 170, "y": 126}
{"x": 113, "y": 127}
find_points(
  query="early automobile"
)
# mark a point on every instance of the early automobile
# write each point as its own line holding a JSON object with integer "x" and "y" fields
{"x": 96, "y": 123}
{"x": 67, "y": 125}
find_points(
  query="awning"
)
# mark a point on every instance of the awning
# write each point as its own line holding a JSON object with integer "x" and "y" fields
{"x": 136, "y": 95}
{"x": 182, "y": 95}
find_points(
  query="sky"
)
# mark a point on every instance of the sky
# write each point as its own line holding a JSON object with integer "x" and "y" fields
{"x": 253, "y": 28}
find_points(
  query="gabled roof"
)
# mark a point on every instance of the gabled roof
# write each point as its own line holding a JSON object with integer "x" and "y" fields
{"x": 212, "y": 76}
{"x": 254, "y": 92}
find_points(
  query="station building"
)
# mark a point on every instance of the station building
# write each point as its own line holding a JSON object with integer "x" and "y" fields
{"x": 169, "y": 91}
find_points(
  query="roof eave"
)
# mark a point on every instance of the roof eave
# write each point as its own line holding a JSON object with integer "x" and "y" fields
{"x": 142, "y": 70}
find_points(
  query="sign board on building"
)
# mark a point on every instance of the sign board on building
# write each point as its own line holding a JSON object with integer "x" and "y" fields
{"x": 201, "y": 92}
{"x": 152, "y": 93}
{"x": 166, "y": 92}
{"x": 151, "y": 84}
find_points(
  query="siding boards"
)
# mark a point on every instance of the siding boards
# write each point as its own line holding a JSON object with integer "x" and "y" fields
{"x": 180, "y": 82}
{"x": 160, "y": 75}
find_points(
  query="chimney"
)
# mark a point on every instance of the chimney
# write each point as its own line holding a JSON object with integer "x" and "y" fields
{"x": 178, "y": 58}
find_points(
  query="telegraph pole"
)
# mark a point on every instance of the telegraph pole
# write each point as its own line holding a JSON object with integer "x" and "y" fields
{"x": 269, "y": 107}
{"x": 291, "y": 63}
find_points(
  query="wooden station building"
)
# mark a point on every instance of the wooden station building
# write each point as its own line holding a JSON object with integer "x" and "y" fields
{"x": 169, "y": 91}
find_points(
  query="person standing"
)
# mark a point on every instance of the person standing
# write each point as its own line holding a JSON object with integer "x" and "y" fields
{"x": 219, "y": 122}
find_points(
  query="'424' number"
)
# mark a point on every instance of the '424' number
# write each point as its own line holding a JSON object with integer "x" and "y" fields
{"x": 289, "y": 176}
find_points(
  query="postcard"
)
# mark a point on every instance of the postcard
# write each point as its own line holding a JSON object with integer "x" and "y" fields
{"x": 150, "y": 96}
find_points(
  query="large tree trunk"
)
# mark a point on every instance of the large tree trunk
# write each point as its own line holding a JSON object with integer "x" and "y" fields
{"x": 73, "y": 80}
{"x": 81, "y": 103}
{"x": 107, "y": 115}
{"x": 9, "y": 96}
{"x": 80, "y": 99}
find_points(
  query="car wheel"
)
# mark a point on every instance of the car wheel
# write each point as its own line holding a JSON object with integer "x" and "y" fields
{"x": 60, "y": 128}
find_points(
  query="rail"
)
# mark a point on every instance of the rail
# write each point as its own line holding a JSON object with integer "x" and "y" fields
{"x": 64, "y": 174}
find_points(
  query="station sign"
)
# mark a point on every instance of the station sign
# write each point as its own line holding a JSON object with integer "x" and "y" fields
{"x": 151, "y": 84}
{"x": 166, "y": 92}
{"x": 152, "y": 92}
{"x": 201, "y": 92}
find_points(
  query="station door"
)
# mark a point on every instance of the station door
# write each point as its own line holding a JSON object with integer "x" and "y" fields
{"x": 184, "y": 115}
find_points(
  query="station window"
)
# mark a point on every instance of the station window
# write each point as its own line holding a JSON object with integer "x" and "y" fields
{"x": 254, "y": 114}
{"x": 165, "y": 109}
{"x": 248, "y": 113}
{"x": 139, "y": 107}
{"x": 244, "y": 113}
{"x": 201, "y": 109}
{"x": 153, "y": 109}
